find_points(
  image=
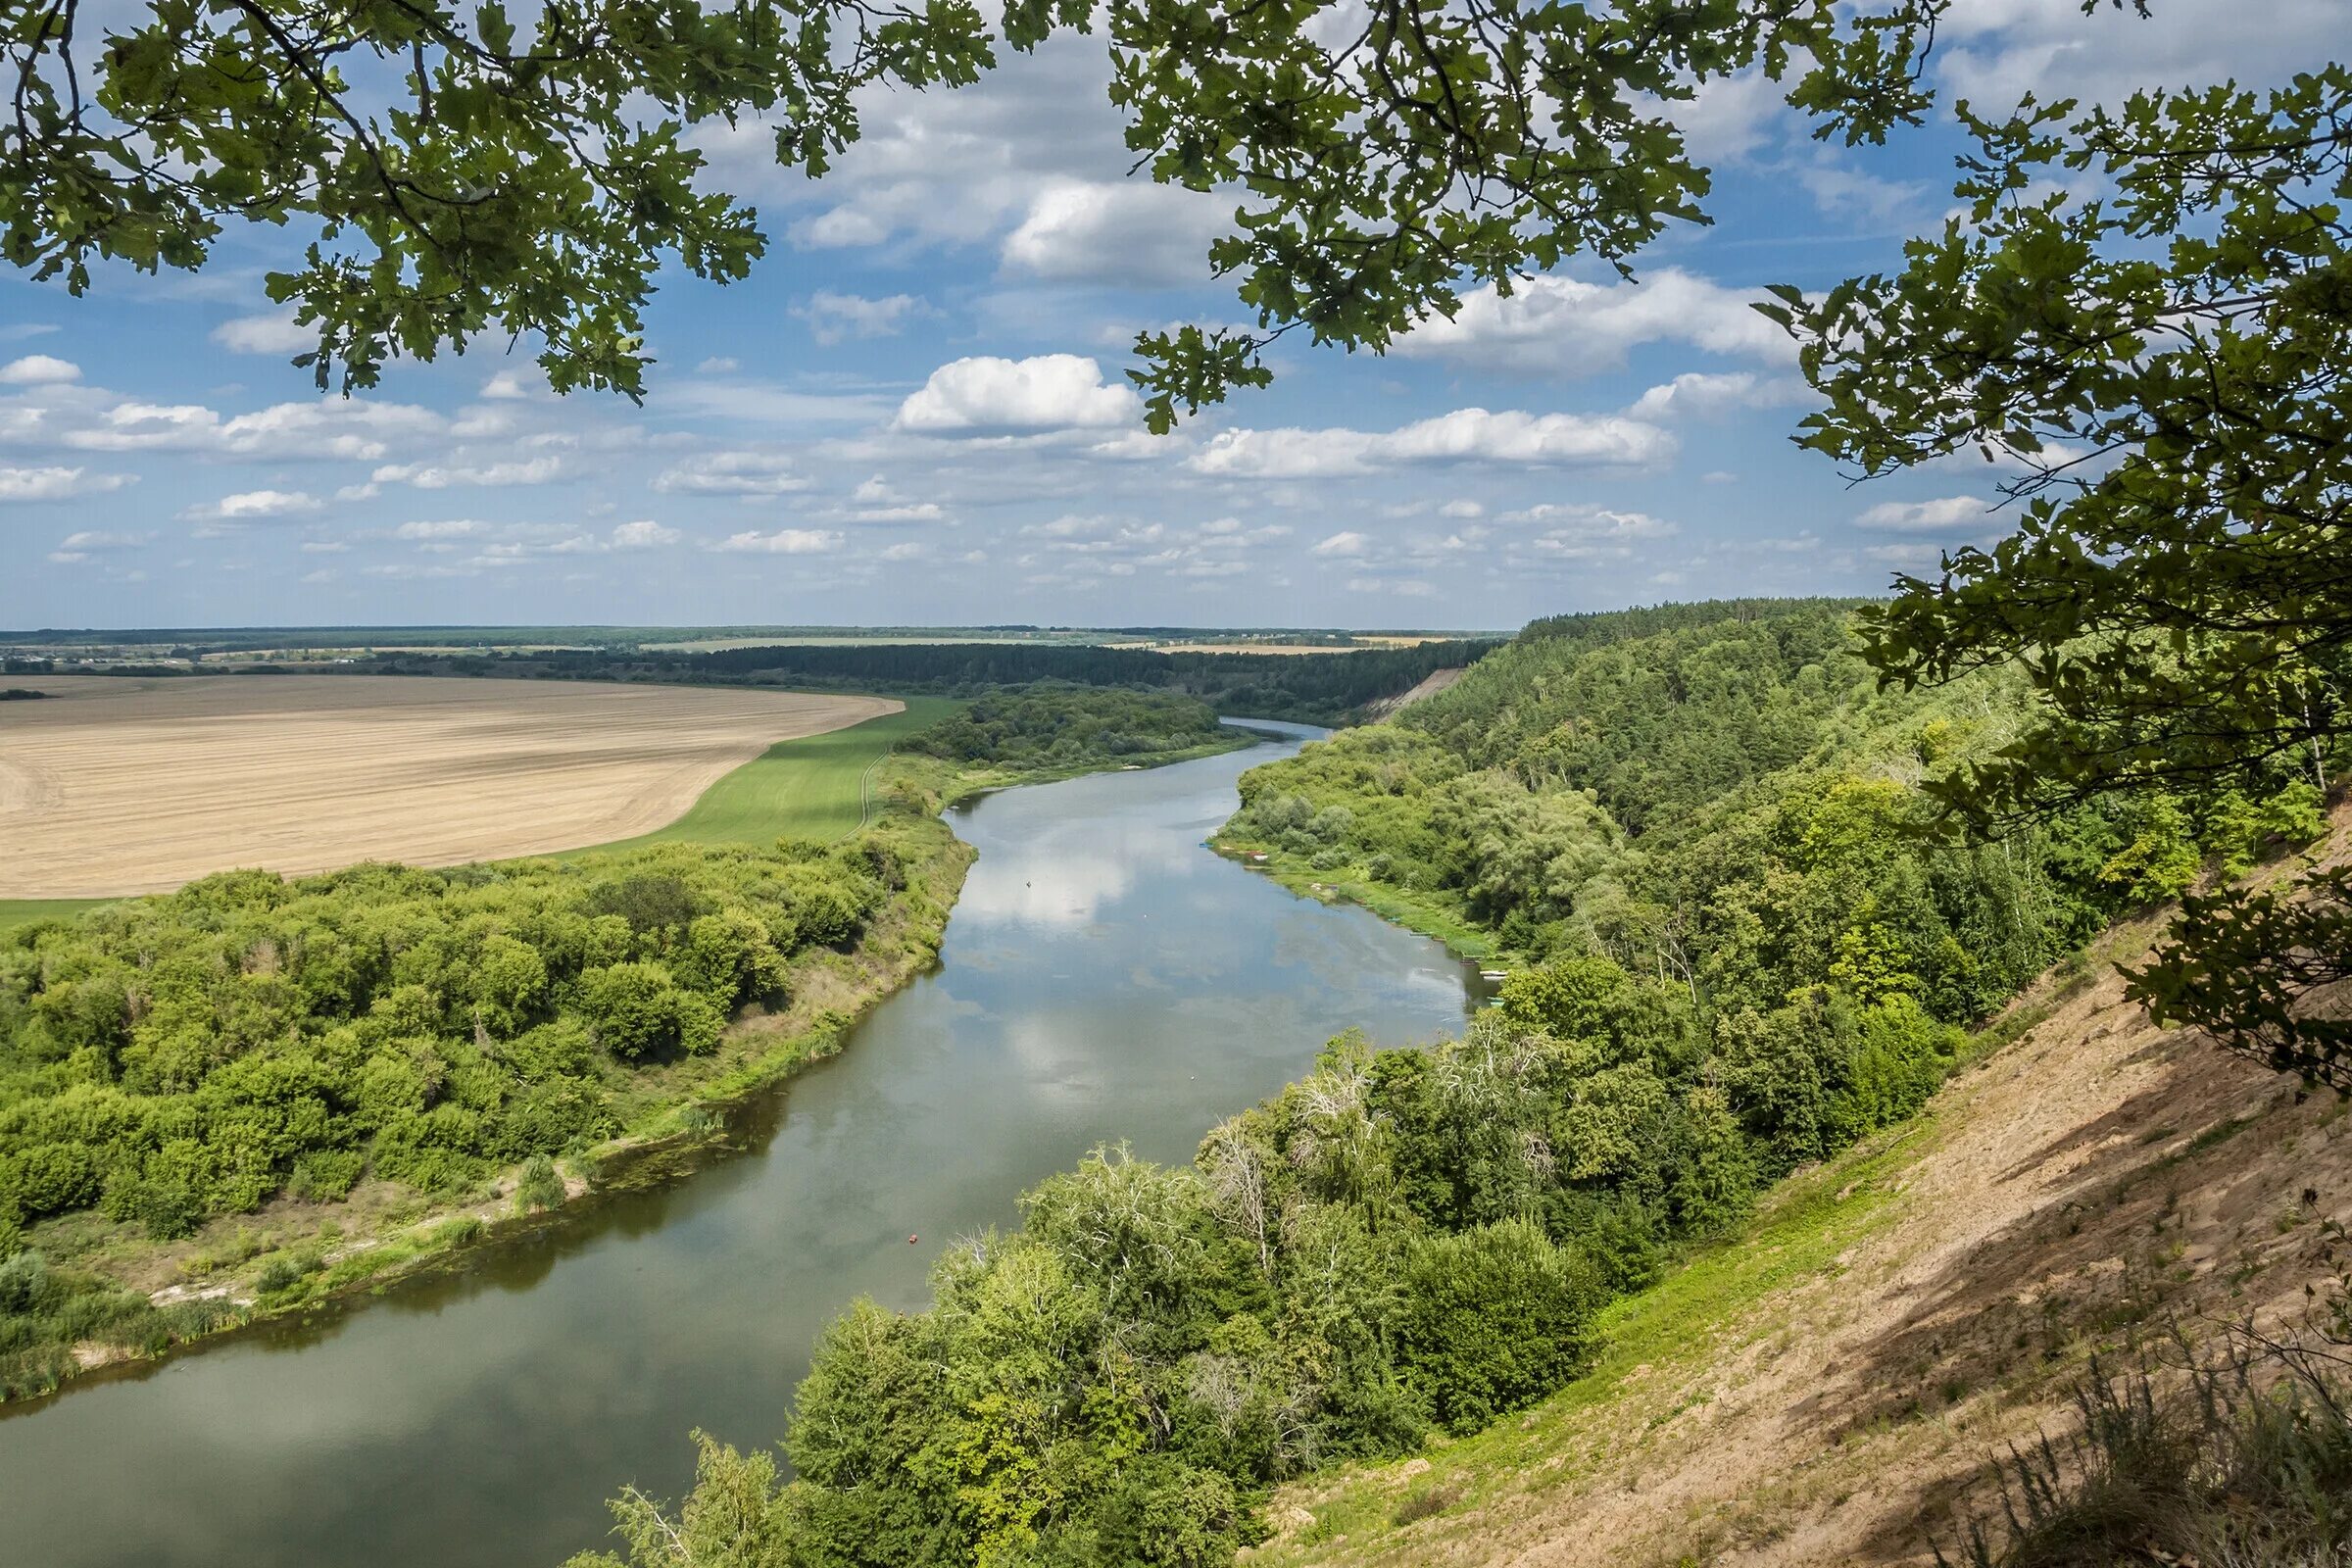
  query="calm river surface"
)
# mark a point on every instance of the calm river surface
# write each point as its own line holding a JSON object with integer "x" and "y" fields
{"x": 1104, "y": 977}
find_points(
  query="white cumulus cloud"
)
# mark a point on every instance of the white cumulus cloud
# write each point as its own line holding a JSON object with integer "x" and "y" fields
{"x": 248, "y": 506}
{"x": 733, "y": 472}
{"x": 56, "y": 484}
{"x": 1466, "y": 435}
{"x": 1554, "y": 325}
{"x": 38, "y": 370}
{"x": 644, "y": 534}
{"x": 989, "y": 396}
{"x": 272, "y": 333}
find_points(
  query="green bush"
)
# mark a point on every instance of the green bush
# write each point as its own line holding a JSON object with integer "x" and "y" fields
{"x": 541, "y": 1186}
{"x": 1495, "y": 1319}
{"x": 326, "y": 1175}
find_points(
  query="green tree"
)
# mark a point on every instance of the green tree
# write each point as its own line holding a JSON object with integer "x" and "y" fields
{"x": 458, "y": 173}
{"x": 1497, "y": 1317}
{"x": 2146, "y": 313}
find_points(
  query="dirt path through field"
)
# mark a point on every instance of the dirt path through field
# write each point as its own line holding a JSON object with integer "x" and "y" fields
{"x": 119, "y": 785}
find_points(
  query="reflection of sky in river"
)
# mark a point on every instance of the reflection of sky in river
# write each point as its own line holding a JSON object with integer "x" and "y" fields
{"x": 1103, "y": 978}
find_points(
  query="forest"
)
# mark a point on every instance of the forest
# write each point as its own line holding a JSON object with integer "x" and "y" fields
{"x": 168, "y": 1060}
{"x": 1306, "y": 688}
{"x": 1050, "y": 726}
{"x": 1744, "y": 945}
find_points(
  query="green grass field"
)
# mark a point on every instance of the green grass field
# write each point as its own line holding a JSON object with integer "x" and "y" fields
{"x": 812, "y": 788}
{"x": 15, "y": 912}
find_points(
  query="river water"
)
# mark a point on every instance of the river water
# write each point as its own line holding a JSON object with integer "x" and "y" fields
{"x": 1103, "y": 977}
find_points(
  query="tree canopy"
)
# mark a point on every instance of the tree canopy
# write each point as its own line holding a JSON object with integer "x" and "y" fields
{"x": 2145, "y": 315}
{"x": 453, "y": 170}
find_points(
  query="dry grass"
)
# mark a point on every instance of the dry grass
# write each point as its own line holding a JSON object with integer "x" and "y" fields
{"x": 1828, "y": 1390}
{"x": 121, "y": 785}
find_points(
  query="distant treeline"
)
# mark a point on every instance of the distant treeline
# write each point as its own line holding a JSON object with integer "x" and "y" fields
{"x": 1050, "y": 727}
{"x": 1311, "y": 688}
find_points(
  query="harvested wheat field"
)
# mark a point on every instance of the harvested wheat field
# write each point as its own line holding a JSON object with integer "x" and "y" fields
{"x": 118, "y": 785}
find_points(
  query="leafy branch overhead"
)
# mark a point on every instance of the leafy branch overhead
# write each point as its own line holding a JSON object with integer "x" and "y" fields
{"x": 2162, "y": 371}
{"x": 456, "y": 172}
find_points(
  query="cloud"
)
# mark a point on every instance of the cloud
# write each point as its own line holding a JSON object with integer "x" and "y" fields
{"x": 1843, "y": 191}
{"x": 56, "y": 484}
{"x": 783, "y": 542}
{"x": 1128, "y": 232}
{"x": 1696, "y": 394}
{"x": 276, "y": 332}
{"x": 942, "y": 166}
{"x": 644, "y": 534}
{"x": 518, "y": 385}
{"x": 1993, "y": 51}
{"x": 455, "y": 528}
{"x": 1581, "y": 522}
{"x": 1926, "y": 516}
{"x": 80, "y": 547}
{"x": 444, "y": 476}
{"x": 734, "y": 472}
{"x": 1344, "y": 544}
{"x": 350, "y": 428}
{"x": 1560, "y": 326}
{"x": 838, "y": 318}
{"x": 38, "y": 370}
{"x": 250, "y": 506}
{"x": 718, "y": 365}
{"x": 1905, "y": 557}
{"x": 989, "y": 396}
{"x": 1466, "y": 435}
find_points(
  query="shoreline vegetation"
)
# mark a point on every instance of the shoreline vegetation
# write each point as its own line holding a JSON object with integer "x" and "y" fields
{"x": 115, "y": 1266}
{"x": 1694, "y": 832}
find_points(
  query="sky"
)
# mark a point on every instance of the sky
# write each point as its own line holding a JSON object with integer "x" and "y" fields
{"x": 915, "y": 411}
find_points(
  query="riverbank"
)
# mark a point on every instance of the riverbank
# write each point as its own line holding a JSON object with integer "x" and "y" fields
{"x": 1439, "y": 919}
{"x": 292, "y": 1255}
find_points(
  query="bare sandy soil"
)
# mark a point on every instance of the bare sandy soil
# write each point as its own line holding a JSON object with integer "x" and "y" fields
{"x": 1436, "y": 681}
{"x": 119, "y": 785}
{"x": 2098, "y": 1178}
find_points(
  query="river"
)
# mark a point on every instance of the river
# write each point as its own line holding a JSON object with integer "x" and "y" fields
{"x": 1103, "y": 977}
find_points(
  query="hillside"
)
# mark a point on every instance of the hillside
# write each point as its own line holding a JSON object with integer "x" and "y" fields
{"x": 1829, "y": 1385}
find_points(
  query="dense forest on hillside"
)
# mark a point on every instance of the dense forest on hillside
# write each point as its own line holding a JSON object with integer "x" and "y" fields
{"x": 1706, "y": 825}
{"x": 1308, "y": 688}
{"x": 1050, "y": 727}
{"x": 166, "y": 1061}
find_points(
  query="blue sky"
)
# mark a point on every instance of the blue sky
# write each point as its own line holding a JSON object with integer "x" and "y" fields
{"x": 915, "y": 412}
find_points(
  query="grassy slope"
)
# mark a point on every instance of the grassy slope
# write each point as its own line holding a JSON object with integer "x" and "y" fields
{"x": 1828, "y": 1384}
